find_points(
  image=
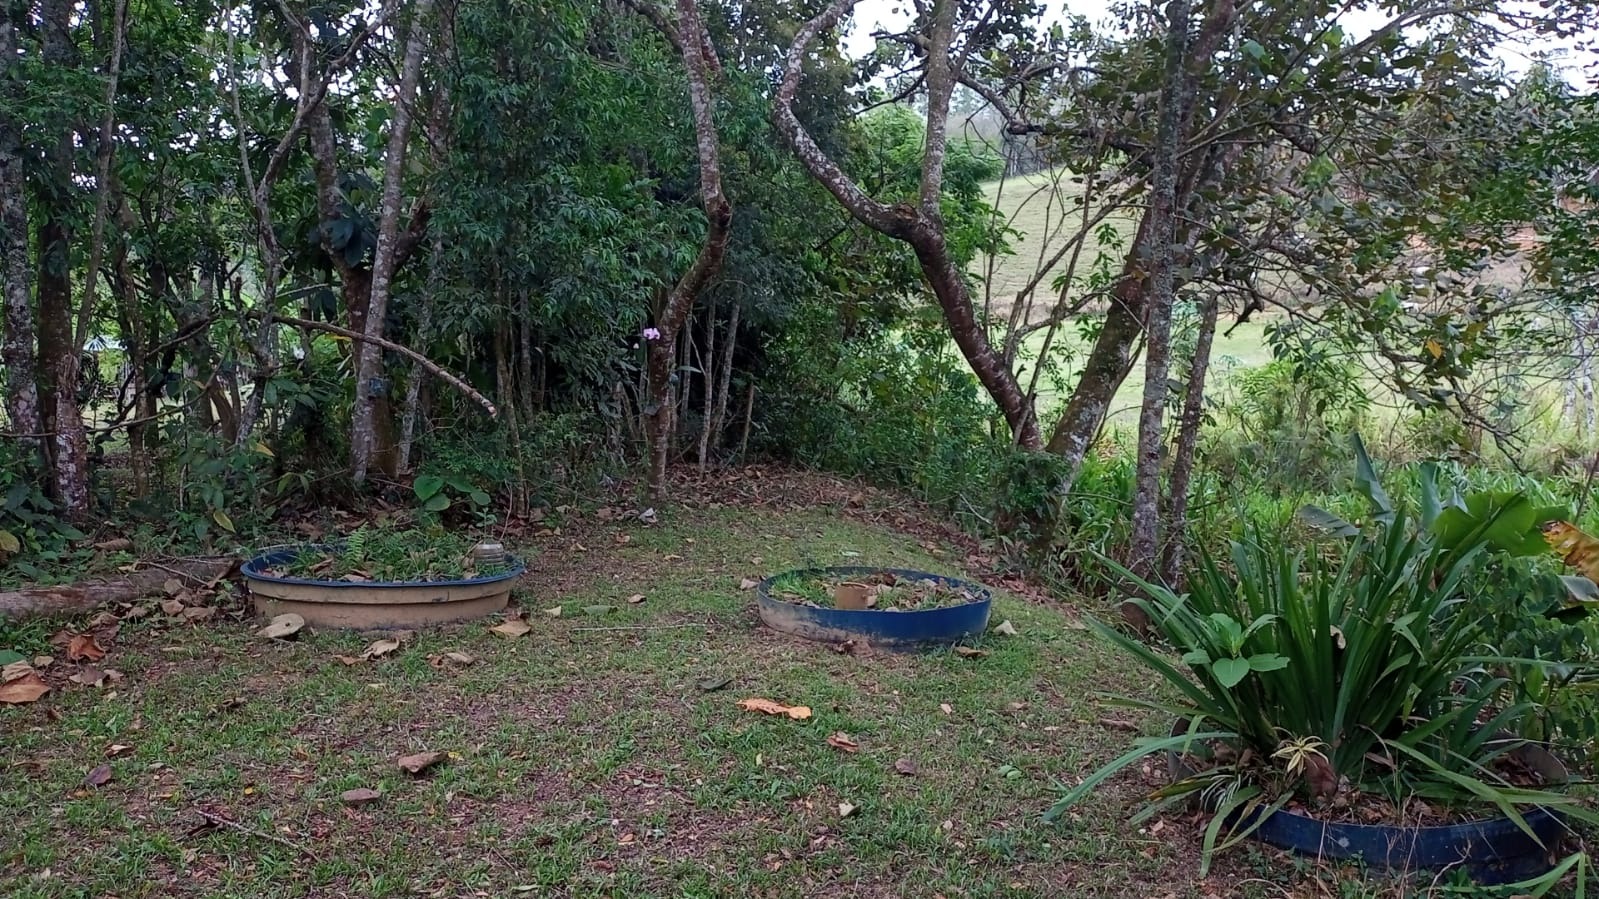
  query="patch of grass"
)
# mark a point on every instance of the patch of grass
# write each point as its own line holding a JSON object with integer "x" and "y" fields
{"x": 587, "y": 760}
{"x": 378, "y": 554}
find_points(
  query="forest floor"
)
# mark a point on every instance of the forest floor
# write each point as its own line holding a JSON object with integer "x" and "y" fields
{"x": 604, "y": 753}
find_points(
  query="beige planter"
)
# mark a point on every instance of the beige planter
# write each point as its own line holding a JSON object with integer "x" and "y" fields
{"x": 374, "y": 604}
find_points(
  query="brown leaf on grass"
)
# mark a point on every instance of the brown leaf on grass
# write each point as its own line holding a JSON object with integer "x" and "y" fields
{"x": 748, "y": 583}
{"x": 23, "y": 688}
{"x": 172, "y": 587}
{"x": 380, "y": 648}
{"x": 841, "y": 740}
{"x": 199, "y": 613}
{"x": 43, "y": 661}
{"x": 766, "y": 706}
{"x": 967, "y": 652}
{"x": 84, "y": 648}
{"x": 946, "y": 708}
{"x": 17, "y": 669}
{"x": 282, "y": 627}
{"x": 845, "y": 809}
{"x": 439, "y": 660}
{"x": 104, "y": 619}
{"x": 114, "y": 545}
{"x": 907, "y": 767}
{"x": 1006, "y": 628}
{"x": 137, "y": 612}
{"x": 553, "y": 612}
{"x": 117, "y": 749}
{"x": 511, "y": 628}
{"x": 99, "y": 777}
{"x": 1118, "y": 724}
{"x": 90, "y": 676}
{"x": 420, "y": 762}
{"x": 360, "y": 796}
{"x": 172, "y": 606}
{"x": 635, "y": 599}
{"x": 348, "y": 660}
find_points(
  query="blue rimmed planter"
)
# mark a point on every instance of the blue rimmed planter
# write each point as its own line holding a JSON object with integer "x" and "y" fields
{"x": 880, "y": 627}
{"x": 1493, "y": 851}
{"x": 373, "y": 604}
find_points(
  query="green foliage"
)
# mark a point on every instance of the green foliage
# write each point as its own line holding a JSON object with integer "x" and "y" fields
{"x": 1360, "y": 660}
{"x": 1281, "y": 425}
{"x": 379, "y": 554}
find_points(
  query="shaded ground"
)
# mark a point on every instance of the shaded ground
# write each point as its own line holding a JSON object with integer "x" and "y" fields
{"x": 587, "y": 759}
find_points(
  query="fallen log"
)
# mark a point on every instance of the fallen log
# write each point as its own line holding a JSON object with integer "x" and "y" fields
{"x": 63, "y": 599}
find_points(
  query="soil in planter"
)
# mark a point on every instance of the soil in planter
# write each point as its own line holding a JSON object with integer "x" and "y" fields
{"x": 884, "y": 591}
{"x": 377, "y": 555}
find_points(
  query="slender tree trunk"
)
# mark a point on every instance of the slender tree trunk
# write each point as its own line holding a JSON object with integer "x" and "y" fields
{"x": 724, "y": 381}
{"x": 694, "y": 43}
{"x": 708, "y": 378}
{"x": 1183, "y": 454}
{"x": 21, "y": 385}
{"x": 369, "y": 356}
{"x": 1157, "y": 357}
{"x": 524, "y": 358}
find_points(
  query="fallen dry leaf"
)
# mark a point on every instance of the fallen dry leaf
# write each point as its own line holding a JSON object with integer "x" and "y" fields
{"x": 755, "y": 704}
{"x": 348, "y": 660}
{"x": 90, "y": 676}
{"x": 846, "y": 809}
{"x": 23, "y": 689}
{"x": 84, "y": 648}
{"x": 511, "y": 628}
{"x": 172, "y": 606}
{"x": 841, "y": 740}
{"x": 416, "y": 764}
{"x": 99, "y": 777}
{"x": 103, "y": 619}
{"x": 906, "y": 767}
{"x": 635, "y": 599}
{"x": 281, "y": 627}
{"x": 137, "y": 612}
{"x": 380, "y": 648}
{"x": 1118, "y": 724}
{"x": 946, "y": 708}
{"x": 1006, "y": 628}
{"x": 360, "y": 796}
{"x": 199, "y": 613}
{"x": 115, "y": 544}
{"x": 453, "y": 658}
{"x": 43, "y": 661}
{"x": 748, "y": 584}
{"x": 968, "y": 652}
{"x": 117, "y": 749}
{"x": 553, "y": 611}
{"x": 15, "y": 670}
{"x": 172, "y": 587}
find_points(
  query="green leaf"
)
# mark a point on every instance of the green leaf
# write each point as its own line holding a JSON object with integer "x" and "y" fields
{"x": 222, "y": 520}
{"x": 480, "y": 498}
{"x": 1230, "y": 672}
{"x": 1320, "y": 518}
{"x": 459, "y": 483}
{"x": 1267, "y": 661}
{"x": 69, "y": 532}
{"x": 7, "y": 656}
{"x": 1369, "y": 486}
{"x": 1144, "y": 748}
{"x": 438, "y": 503}
{"x": 1582, "y": 590}
{"x": 9, "y": 542}
{"x": 427, "y": 486}
{"x": 1431, "y": 508}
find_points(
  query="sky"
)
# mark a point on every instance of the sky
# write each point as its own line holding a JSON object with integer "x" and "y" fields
{"x": 1517, "y": 57}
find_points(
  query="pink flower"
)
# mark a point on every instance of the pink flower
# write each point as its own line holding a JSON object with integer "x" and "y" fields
{"x": 652, "y": 334}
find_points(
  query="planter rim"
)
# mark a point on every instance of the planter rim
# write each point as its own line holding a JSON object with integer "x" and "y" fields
{"x": 764, "y": 588}
{"x": 271, "y": 555}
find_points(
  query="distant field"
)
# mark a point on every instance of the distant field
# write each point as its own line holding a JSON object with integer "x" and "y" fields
{"x": 1041, "y": 207}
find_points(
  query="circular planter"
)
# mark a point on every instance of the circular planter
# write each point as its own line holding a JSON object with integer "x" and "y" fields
{"x": 881, "y": 627}
{"x": 1492, "y": 851}
{"x": 373, "y": 604}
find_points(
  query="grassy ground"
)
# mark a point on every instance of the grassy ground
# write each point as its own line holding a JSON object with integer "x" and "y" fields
{"x": 588, "y": 758}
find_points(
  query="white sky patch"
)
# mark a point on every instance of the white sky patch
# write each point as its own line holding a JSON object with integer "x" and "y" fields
{"x": 1576, "y": 64}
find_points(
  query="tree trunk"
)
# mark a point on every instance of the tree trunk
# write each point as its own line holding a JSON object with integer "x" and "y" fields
{"x": 708, "y": 378}
{"x": 724, "y": 381}
{"x": 1183, "y": 454}
{"x": 69, "y": 446}
{"x": 369, "y": 356}
{"x": 83, "y": 597}
{"x": 21, "y": 386}
{"x": 695, "y": 45}
{"x": 524, "y": 358}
